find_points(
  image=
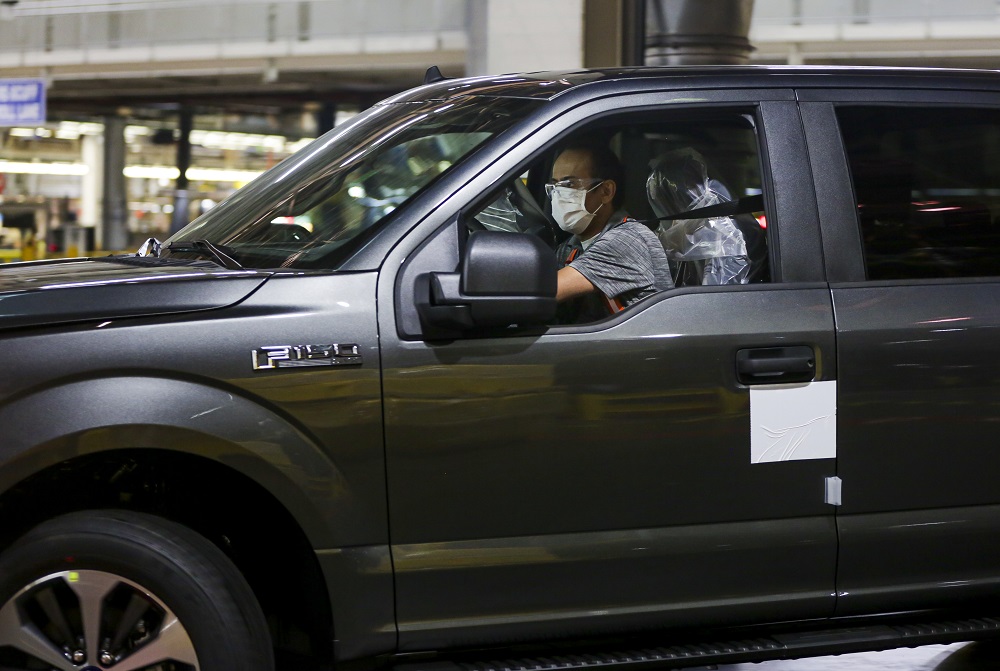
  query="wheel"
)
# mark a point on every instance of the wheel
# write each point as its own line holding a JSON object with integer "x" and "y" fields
{"x": 126, "y": 591}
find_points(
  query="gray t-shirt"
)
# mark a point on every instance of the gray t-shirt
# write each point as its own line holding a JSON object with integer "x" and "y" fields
{"x": 625, "y": 262}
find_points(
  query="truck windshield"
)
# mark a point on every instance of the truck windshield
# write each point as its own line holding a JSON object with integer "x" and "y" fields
{"x": 315, "y": 208}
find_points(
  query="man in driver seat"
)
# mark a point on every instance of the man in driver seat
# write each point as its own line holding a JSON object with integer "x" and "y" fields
{"x": 610, "y": 261}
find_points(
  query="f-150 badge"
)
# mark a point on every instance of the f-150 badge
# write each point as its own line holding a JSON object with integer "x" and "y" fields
{"x": 296, "y": 356}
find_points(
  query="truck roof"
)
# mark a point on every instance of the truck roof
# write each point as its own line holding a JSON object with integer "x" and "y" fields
{"x": 549, "y": 85}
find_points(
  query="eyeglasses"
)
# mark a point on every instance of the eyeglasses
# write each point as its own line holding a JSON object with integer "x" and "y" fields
{"x": 574, "y": 183}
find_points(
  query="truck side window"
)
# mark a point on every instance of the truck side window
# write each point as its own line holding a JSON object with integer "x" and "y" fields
{"x": 927, "y": 188}
{"x": 670, "y": 168}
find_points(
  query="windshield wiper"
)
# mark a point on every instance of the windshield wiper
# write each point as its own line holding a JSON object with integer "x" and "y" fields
{"x": 205, "y": 248}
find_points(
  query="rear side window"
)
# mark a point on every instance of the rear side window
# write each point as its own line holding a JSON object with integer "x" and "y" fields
{"x": 927, "y": 187}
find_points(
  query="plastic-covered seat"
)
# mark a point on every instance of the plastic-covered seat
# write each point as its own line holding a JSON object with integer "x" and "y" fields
{"x": 708, "y": 251}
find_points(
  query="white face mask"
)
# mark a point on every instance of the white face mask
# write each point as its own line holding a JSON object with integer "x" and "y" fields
{"x": 569, "y": 208}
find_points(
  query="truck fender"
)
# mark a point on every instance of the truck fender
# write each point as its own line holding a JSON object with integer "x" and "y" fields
{"x": 81, "y": 417}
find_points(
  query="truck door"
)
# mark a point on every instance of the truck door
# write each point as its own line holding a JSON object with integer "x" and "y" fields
{"x": 909, "y": 191}
{"x": 598, "y": 477}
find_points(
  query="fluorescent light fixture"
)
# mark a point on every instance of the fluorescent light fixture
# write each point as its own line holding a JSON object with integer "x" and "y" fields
{"x": 221, "y": 175}
{"x": 196, "y": 174}
{"x": 137, "y": 171}
{"x": 24, "y": 168}
{"x": 72, "y": 130}
{"x": 151, "y": 172}
{"x": 215, "y": 139}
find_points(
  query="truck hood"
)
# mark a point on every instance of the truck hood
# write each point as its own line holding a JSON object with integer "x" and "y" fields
{"x": 51, "y": 292}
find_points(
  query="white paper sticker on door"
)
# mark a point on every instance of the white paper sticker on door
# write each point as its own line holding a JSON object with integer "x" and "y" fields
{"x": 789, "y": 422}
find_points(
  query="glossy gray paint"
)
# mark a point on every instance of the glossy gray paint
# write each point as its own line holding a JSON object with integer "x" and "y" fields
{"x": 593, "y": 434}
{"x": 273, "y": 425}
{"x": 54, "y": 292}
{"x": 919, "y": 374}
{"x": 918, "y": 410}
{"x": 360, "y": 584}
{"x": 504, "y": 590}
{"x": 910, "y": 560}
{"x": 593, "y": 82}
{"x": 918, "y": 401}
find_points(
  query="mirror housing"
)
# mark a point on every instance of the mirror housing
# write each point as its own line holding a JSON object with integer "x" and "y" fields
{"x": 503, "y": 279}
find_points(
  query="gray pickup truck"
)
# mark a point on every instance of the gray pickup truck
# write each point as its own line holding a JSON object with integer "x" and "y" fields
{"x": 341, "y": 420}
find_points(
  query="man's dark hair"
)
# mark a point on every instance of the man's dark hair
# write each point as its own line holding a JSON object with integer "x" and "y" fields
{"x": 604, "y": 161}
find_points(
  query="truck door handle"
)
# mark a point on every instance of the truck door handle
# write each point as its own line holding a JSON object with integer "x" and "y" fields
{"x": 776, "y": 365}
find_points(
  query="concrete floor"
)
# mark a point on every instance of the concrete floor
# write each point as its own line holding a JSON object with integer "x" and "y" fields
{"x": 956, "y": 657}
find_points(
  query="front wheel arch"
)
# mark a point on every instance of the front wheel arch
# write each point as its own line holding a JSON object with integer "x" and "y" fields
{"x": 110, "y": 413}
{"x": 236, "y": 514}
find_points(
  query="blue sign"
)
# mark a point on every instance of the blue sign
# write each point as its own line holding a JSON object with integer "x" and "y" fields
{"x": 22, "y": 102}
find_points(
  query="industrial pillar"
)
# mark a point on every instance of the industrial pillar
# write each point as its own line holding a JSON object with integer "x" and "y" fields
{"x": 666, "y": 32}
{"x": 702, "y": 32}
{"x": 633, "y": 32}
{"x": 93, "y": 185}
{"x": 114, "y": 217}
{"x": 614, "y": 33}
{"x": 326, "y": 117}
{"x": 182, "y": 199}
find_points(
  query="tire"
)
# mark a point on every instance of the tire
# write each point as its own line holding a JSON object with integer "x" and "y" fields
{"x": 166, "y": 599}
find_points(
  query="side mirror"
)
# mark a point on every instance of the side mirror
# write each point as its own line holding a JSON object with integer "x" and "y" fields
{"x": 503, "y": 279}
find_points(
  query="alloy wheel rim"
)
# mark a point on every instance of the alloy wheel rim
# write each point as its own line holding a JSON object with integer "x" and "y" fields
{"x": 91, "y": 620}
